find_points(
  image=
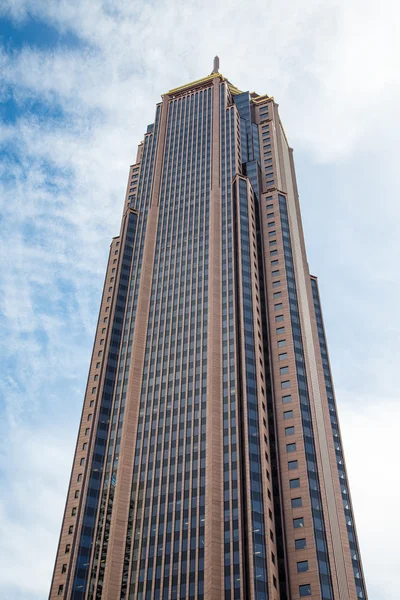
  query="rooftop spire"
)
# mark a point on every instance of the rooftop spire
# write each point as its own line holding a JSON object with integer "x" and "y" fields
{"x": 216, "y": 64}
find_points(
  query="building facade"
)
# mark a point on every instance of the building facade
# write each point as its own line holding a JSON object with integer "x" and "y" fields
{"x": 209, "y": 462}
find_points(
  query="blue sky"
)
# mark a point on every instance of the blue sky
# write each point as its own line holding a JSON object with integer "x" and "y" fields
{"x": 79, "y": 83}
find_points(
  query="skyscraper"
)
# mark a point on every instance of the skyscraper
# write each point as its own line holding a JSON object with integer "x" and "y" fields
{"x": 209, "y": 463}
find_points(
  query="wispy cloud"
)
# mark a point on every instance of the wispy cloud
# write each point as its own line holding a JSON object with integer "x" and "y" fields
{"x": 75, "y": 106}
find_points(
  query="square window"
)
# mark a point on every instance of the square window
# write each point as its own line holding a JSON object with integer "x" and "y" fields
{"x": 276, "y": 284}
{"x": 283, "y": 356}
{"x": 283, "y": 370}
{"x": 281, "y": 343}
{"x": 305, "y": 590}
{"x": 290, "y": 447}
{"x": 294, "y": 483}
{"x": 285, "y": 384}
{"x": 288, "y": 414}
{"x": 293, "y": 464}
{"x": 286, "y": 399}
{"x": 297, "y": 502}
{"x": 298, "y": 523}
{"x": 289, "y": 430}
{"x": 278, "y": 318}
{"x": 302, "y": 566}
{"x": 300, "y": 544}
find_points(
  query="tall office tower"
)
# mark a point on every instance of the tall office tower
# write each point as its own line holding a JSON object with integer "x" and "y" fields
{"x": 209, "y": 463}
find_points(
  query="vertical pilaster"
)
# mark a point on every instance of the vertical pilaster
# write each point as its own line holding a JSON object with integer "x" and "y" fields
{"x": 214, "y": 570}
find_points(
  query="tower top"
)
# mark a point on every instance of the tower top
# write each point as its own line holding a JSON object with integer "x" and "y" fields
{"x": 216, "y": 64}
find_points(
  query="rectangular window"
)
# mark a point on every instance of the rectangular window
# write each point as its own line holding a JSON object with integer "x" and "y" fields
{"x": 283, "y": 356}
{"x": 70, "y": 529}
{"x": 302, "y": 566}
{"x": 272, "y": 242}
{"x": 278, "y": 318}
{"x": 278, "y": 306}
{"x": 82, "y": 461}
{"x": 288, "y": 414}
{"x": 285, "y": 384}
{"x": 297, "y": 502}
{"x": 84, "y": 446}
{"x": 276, "y": 284}
{"x": 60, "y": 590}
{"x": 300, "y": 544}
{"x": 281, "y": 343}
{"x": 93, "y": 390}
{"x": 273, "y": 252}
{"x": 98, "y": 365}
{"x": 280, "y": 330}
{"x": 277, "y": 294}
{"x": 271, "y": 233}
{"x": 73, "y": 511}
{"x": 293, "y": 464}
{"x": 289, "y": 430}
{"x": 290, "y": 447}
{"x": 271, "y": 224}
{"x": 294, "y": 483}
{"x": 274, "y": 263}
{"x": 286, "y": 399}
{"x": 270, "y": 215}
{"x": 87, "y": 431}
{"x": 64, "y": 568}
{"x": 284, "y": 370}
{"x": 305, "y": 590}
{"x": 275, "y": 273}
{"x": 298, "y": 523}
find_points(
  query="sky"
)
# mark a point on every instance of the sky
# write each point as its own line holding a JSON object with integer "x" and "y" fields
{"x": 79, "y": 80}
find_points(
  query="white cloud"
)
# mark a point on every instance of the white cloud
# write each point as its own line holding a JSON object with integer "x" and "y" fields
{"x": 333, "y": 67}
